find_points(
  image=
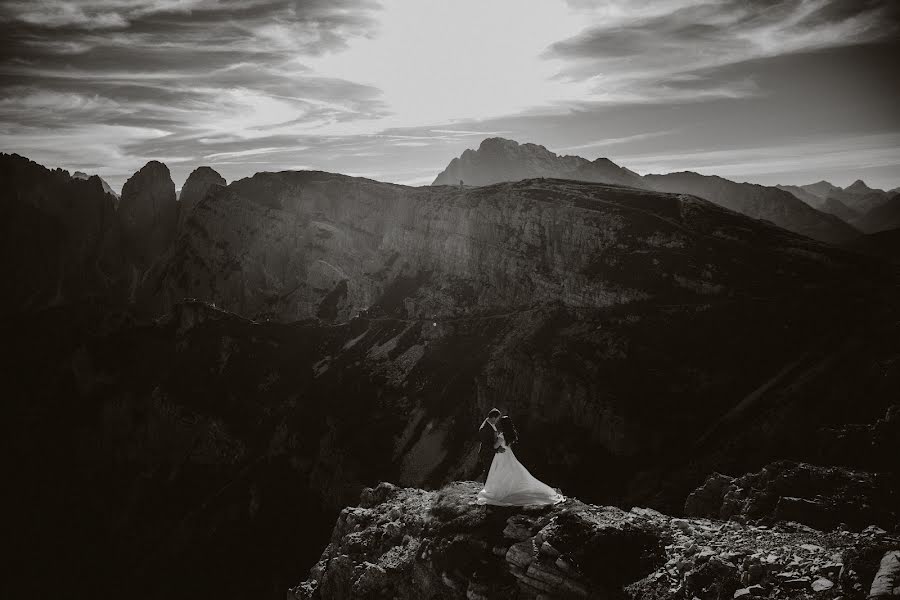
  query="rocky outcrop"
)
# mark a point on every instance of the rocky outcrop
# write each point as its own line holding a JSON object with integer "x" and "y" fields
{"x": 147, "y": 214}
{"x": 58, "y": 237}
{"x": 822, "y": 497}
{"x": 760, "y": 202}
{"x": 498, "y": 159}
{"x": 195, "y": 189}
{"x": 106, "y": 187}
{"x": 410, "y": 543}
{"x": 886, "y": 584}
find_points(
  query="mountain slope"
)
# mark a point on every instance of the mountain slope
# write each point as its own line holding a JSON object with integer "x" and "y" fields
{"x": 760, "y": 202}
{"x": 884, "y": 243}
{"x": 808, "y": 197}
{"x": 821, "y": 189}
{"x": 498, "y": 159}
{"x": 296, "y": 245}
{"x": 882, "y": 217}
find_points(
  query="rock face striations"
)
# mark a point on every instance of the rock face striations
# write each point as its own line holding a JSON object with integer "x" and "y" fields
{"x": 498, "y": 159}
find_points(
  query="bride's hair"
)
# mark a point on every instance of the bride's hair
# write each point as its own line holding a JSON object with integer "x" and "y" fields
{"x": 510, "y": 433}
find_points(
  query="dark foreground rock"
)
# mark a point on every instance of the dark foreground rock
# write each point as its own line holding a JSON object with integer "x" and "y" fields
{"x": 822, "y": 497}
{"x": 411, "y": 543}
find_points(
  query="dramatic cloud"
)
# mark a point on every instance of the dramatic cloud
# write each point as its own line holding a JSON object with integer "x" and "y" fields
{"x": 394, "y": 89}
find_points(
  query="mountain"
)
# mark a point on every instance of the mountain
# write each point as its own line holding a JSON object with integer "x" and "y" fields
{"x": 821, "y": 189}
{"x": 837, "y": 208}
{"x": 808, "y": 197}
{"x": 194, "y": 190}
{"x": 147, "y": 214}
{"x": 309, "y": 334}
{"x": 882, "y": 217}
{"x": 106, "y": 186}
{"x": 859, "y": 187}
{"x": 59, "y": 240}
{"x": 499, "y": 159}
{"x": 757, "y": 201}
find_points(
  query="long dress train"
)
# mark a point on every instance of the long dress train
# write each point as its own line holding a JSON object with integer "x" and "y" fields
{"x": 510, "y": 484}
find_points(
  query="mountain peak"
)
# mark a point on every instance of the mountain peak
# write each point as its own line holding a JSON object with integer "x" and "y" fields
{"x": 195, "y": 189}
{"x": 858, "y": 187}
{"x": 499, "y": 159}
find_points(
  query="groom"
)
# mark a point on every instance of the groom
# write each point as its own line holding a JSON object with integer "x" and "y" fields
{"x": 487, "y": 434}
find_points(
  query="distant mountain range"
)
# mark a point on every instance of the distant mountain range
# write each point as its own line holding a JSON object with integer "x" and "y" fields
{"x": 858, "y": 204}
{"x": 499, "y": 159}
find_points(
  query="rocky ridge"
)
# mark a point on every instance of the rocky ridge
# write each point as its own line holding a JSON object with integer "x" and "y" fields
{"x": 411, "y": 543}
{"x": 759, "y": 202}
{"x": 106, "y": 187}
{"x": 499, "y": 159}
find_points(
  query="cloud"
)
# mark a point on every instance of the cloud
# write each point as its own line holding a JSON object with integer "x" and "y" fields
{"x": 620, "y": 140}
{"x": 644, "y": 52}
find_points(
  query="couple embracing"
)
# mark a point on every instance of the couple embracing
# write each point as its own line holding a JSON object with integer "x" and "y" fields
{"x": 508, "y": 482}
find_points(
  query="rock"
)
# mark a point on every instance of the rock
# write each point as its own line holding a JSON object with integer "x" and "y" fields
{"x": 796, "y": 583}
{"x": 60, "y": 241}
{"x": 497, "y": 160}
{"x": 785, "y": 491}
{"x": 821, "y": 584}
{"x": 147, "y": 214}
{"x": 886, "y": 583}
{"x": 195, "y": 188}
{"x": 760, "y": 202}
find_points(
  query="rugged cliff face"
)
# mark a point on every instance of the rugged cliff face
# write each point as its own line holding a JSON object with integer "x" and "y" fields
{"x": 409, "y": 543}
{"x": 58, "y": 240}
{"x": 304, "y": 244}
{"x": 147, "y": 214}
{"x": 194, "y": 190}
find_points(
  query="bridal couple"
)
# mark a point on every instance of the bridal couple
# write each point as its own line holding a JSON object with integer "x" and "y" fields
{"x": 508, "y": 483}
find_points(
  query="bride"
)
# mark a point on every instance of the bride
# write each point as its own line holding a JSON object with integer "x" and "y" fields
{"x": 508, "y": 482}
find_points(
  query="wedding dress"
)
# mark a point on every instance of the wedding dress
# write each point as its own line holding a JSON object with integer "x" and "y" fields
{"x": 510, "y": 484}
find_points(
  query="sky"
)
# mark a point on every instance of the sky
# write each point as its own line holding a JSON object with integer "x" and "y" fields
{"x": 767, "y": 91}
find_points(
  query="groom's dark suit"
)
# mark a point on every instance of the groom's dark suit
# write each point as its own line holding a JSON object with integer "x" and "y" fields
{"x": 488, "y": 437}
